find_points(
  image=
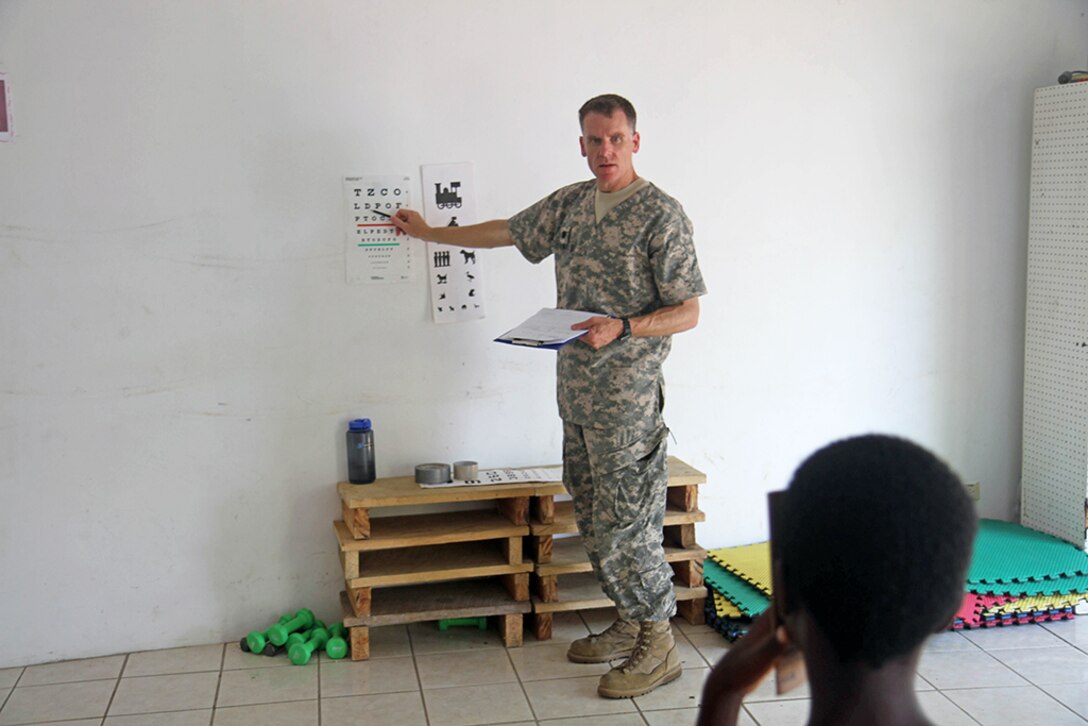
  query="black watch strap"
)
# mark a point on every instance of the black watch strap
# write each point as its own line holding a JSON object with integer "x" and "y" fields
{"x": 626, "y": 328}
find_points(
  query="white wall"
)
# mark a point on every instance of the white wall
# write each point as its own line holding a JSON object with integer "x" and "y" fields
{"x": 181, "y": 352}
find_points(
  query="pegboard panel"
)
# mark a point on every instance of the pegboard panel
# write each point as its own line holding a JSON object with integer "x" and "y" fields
{"x": 1054, "y": 478}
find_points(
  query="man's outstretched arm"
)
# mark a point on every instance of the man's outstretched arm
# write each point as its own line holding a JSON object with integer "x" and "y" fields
{"x": 495, "y": 233}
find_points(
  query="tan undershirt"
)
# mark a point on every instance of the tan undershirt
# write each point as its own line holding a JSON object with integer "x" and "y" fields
{"x": 605, "y": 202}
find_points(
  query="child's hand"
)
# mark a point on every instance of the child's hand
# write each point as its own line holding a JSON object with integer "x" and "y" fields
{"x": 740, "y": 670}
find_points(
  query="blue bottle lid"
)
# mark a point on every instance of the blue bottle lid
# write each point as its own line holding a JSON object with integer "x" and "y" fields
{"x": 359, "y": 424}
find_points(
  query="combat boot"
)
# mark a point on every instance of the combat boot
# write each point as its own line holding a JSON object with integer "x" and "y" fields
{"x": 617, "y": 641}
{"x": 654, "y": 662}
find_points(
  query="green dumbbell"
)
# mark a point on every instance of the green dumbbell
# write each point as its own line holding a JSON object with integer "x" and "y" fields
{"x": 300, "y": 652}
{"x": 337, "y": 645}
{"x": 302, "y": 635}
{"x": 256, "y": 641}
{"x": 278, "y": 633}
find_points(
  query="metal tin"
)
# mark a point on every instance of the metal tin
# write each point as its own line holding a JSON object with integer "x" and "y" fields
{"x": 432, "y": 473}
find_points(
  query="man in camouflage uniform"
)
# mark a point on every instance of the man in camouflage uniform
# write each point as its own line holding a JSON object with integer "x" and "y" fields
{"x": 623, "y": 248}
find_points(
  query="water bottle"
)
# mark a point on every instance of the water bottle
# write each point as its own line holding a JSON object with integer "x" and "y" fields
{"x": 360, "y": 451}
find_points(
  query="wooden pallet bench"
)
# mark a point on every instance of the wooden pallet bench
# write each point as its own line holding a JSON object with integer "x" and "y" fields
{"x": 471, "y": 563}
{"x": 433, "y": 566}
{"x": 356, "y": 500}
{"x": 487, "y": 597}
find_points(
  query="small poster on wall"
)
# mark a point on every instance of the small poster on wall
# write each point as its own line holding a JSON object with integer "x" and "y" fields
{"x": 376, "y": 251}
{"x": 449, "y": 200}
{"x": 7, "y": 124}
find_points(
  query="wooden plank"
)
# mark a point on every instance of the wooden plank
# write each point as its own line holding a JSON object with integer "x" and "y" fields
{"x": 683, "y": 498}
{"x": 544, "y": 509}
{"x": 350, "y": 562}
{"x": 693, "y": 611}
{"x": 680, "y": 535}
{"x": 404, "y": 491}
{"x": 360, "y": 599}
{"x": 546, "y": 587}
{"x": 682, "y": 474}
{"x": 516, "y": 509}
{"x": 582, "y": 592}
{"x": 688, "y": 572}
{"x": 360, "y": 642}
{"x": 541, "y": 624}
{"x": 517, "y": 586}
{"x": 564, "y": 519}
{"x": 357, "y": 521}
{"x": 511, "y": 628}
{"x": 569, "y": 556}
{"x": 457, "y": 560}
{"x": 541, "y": 548}
{"x": 511, "y": 548}
{"x": 418, "y": 603}
{"x": 415, "y": 530}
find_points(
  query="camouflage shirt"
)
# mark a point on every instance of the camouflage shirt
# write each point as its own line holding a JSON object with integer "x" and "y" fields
{"x": 640, "y": 257}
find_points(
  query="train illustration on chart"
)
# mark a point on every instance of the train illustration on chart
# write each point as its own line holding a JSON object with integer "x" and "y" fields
{"x": 447, "y": 198}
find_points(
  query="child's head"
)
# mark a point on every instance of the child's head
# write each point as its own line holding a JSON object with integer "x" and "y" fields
{"x": 875, "y": 542}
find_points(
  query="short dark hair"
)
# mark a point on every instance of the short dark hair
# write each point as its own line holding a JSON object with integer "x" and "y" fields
{"x": 606, "y": 105}
{"x": 876, "y": 537}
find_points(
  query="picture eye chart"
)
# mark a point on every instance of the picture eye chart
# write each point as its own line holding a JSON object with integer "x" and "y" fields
{"x": 456, "y": 282}
{"x": 375, "y": 250}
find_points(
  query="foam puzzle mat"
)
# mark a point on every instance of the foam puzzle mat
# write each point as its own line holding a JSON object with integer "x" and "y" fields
{"x": 1011, "y": 553}
{"x": 1017, "y": 576}
{"x": 750, "y": 601}
{"x": 751, "y": 563}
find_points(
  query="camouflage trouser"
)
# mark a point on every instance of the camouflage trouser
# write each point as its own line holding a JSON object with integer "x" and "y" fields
{"x": 617, "y": 478}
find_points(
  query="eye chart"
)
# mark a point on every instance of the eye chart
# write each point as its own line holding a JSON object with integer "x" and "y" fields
{"x": 449, "y": 200}
{"x": 375, "y": 250}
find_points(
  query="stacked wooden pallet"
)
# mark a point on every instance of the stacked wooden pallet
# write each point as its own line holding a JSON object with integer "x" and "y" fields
{"x": 423, "y": 565}
{"x": 431, "y": 566}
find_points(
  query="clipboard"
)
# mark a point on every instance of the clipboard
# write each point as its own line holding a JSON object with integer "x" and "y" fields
{"x": 548, "y": 329}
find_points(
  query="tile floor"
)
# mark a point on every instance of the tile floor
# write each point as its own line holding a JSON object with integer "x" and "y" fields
{"x": 1035, "y": 674}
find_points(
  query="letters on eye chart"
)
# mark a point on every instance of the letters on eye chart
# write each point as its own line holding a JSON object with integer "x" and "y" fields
{"x": 375, "y": 250}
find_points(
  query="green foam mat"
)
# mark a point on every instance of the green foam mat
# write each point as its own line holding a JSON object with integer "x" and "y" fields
{"x": 750, "y": 600}
{"x": 1062, "y": 586}
{"x": 1010, "y": 553}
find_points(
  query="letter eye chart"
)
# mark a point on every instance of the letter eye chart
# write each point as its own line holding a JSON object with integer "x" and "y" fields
{"x": 449, "y": 200}
{"x": 375, "y": 250}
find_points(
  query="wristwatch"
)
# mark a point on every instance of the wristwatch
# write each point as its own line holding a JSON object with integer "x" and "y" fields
{"x": 626, "y": 329}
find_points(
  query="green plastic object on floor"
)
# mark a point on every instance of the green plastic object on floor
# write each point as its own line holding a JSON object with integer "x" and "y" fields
{"x": 278, "y": 633}
{"x": 257, "y": 641}
{"x": 300, "y": 653}
{"x": 337, "y": 645}
{"x": 300, "y": 637}
{"x": 480, "y": 622}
